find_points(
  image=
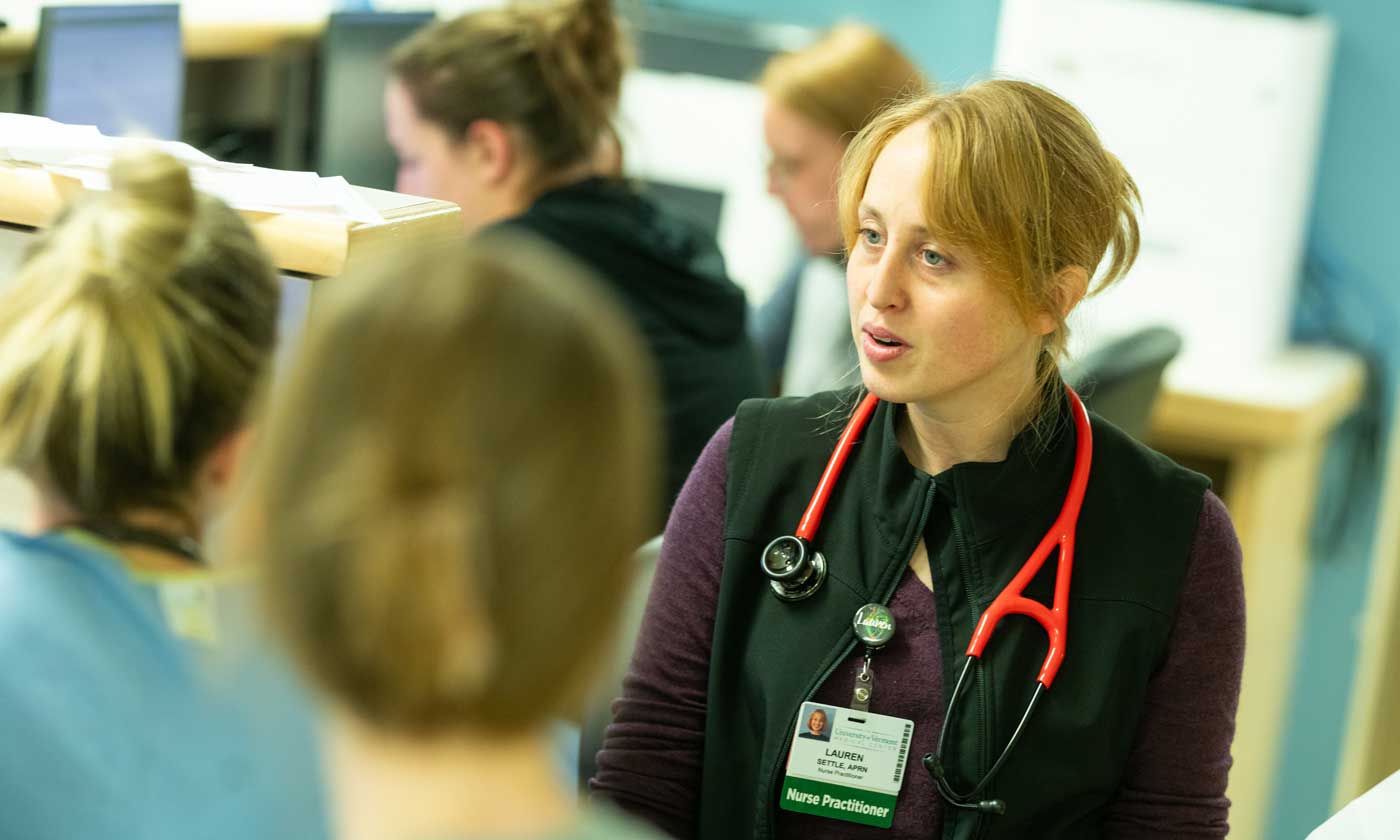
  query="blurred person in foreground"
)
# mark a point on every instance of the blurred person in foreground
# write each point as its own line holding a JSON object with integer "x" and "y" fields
{"x": 815, "y": 101}
{"x": 134, "y": 701}
{"x": 452, "y": 484}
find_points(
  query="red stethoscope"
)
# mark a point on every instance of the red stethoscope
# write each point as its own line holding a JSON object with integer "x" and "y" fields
{"x": 796, "y": 571}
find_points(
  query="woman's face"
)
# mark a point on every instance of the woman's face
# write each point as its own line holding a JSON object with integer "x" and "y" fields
{"x": 816, "y": 722}
{"x": 932, "y": 327}
{"x": 806, "y": 160}
{"x": 432, "y": 164}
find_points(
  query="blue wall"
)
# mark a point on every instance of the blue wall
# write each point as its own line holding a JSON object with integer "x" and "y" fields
{"x": 953, "y": 39}
{"x": 1353, "y": 274}
{"x": 1350, "y": 296}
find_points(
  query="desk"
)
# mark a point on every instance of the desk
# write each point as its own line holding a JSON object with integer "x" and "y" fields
{"x": 216, "y": 29}
{"x": 1268, "y": 426}
{"x": 325, "y": 247}
{"x": 315, "y": 245}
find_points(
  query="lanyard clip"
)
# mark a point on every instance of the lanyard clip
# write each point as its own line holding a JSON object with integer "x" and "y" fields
{"x": 865, "y": 684}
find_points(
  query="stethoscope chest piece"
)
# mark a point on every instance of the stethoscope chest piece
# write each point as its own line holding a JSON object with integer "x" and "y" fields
{"x": 793, "y": 568}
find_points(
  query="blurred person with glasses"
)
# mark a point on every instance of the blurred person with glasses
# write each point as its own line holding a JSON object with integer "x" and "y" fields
{"x": 816, "y": 101}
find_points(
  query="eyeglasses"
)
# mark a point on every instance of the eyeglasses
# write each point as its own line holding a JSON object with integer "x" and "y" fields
{"x": 782, "y": 168}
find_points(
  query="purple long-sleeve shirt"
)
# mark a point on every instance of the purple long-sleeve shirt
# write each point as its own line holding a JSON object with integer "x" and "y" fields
{"x": 1174, "y": 781}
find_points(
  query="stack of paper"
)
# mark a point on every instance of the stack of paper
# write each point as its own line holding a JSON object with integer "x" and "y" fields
{"x": 85, "y": 154}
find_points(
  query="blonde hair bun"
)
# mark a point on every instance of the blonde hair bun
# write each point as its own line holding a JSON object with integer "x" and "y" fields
{"x": 132, "y": 338}
{"x": 163, "y": 200}
{"x": 154, "y": 177}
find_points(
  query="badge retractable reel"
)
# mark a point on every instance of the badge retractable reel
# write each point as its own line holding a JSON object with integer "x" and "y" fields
{"x": 874, "y": 627}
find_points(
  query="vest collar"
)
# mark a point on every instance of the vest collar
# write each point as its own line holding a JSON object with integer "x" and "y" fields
{"x": 992, "y": 499}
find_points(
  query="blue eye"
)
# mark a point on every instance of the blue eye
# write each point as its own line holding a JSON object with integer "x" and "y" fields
{"x": 871, "y": 237}
{"x": 932, "y": 258}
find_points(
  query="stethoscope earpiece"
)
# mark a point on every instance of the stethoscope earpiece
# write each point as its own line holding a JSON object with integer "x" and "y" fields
{"x": 793, "y": 569}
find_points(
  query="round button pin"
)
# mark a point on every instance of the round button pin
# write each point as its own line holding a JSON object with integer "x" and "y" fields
{"x": 874, "y": 625}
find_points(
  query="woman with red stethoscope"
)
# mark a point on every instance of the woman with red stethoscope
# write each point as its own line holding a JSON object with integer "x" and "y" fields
{"x": 1015, "y": 620}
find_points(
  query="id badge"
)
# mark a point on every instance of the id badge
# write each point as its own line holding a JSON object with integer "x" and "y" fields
{"x": 190, "y": 610}
{"x": 846, "y": 765}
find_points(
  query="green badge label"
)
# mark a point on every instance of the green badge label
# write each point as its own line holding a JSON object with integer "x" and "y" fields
{"x": 843, "y": 803}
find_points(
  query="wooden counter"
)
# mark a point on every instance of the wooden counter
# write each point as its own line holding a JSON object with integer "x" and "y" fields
{"x": 1268, "y": 426}
{"x": 308, "y": 244}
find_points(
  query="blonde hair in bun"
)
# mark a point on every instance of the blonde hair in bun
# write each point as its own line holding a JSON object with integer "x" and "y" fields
{"x": 131, "y": 339}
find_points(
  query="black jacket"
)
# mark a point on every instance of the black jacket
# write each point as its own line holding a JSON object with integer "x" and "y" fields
{"x": 980, "y": 522}
{"x": 670, "y": 277}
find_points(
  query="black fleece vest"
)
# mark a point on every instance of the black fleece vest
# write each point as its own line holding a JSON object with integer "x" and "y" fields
{"x": 768, "y": 656}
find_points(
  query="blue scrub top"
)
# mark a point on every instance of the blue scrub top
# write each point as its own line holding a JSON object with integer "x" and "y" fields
{"x": 143, "y": 707}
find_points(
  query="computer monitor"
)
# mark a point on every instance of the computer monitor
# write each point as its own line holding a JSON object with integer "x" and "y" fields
{"x": 349, "y": 137}
{"x": 680, "y": 41}
{"x": 120, "y": 68}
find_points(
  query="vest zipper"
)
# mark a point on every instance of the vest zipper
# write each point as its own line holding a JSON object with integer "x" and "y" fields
{"x": 965, "y": 566}
{"x": 846, "y": 650}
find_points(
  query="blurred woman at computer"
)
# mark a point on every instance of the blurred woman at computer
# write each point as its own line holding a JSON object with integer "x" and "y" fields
{"x": 422, "y": 533}
{"x": 816, "y": 100}
{"x": 508, "y": 112}
{"x": 132, "y": 341}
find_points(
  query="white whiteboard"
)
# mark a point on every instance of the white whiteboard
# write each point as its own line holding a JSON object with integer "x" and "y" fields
{"x": 1216, "y": 112}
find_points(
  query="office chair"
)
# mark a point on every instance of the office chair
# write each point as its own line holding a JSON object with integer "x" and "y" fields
{"x": 1120, "y": 380}
{"x": 598, "y": 714}
{"x": 120, "y": 68}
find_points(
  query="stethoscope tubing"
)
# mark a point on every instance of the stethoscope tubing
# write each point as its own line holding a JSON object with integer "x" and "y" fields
{"x": 812, "y": 517}
{"x": 1011, "y": 600}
